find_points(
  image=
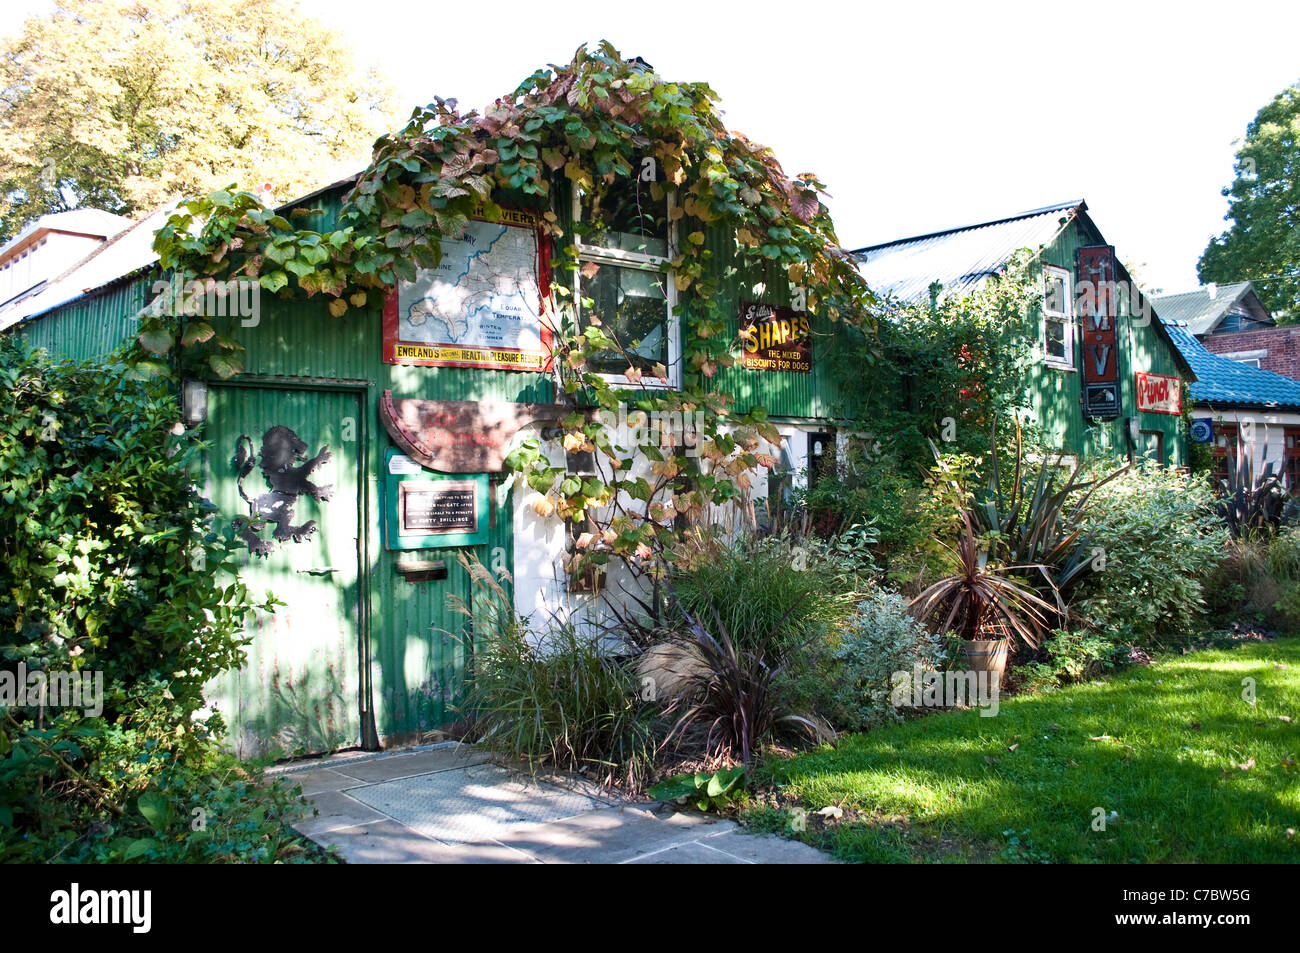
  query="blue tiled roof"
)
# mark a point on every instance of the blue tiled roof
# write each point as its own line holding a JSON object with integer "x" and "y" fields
{"x": 1222, "y": 381}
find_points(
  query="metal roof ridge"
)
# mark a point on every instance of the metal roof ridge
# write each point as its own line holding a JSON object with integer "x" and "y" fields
{"x": 1075, "y": 203}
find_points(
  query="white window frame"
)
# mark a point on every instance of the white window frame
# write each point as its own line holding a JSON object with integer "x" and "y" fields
{"x": 1250, "y": 358}
{"x": 1066, "y": 316}
{"x": 660, "y": 264}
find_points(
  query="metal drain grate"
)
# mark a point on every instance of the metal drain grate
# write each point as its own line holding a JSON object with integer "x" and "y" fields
{"x": 481, "y": 802}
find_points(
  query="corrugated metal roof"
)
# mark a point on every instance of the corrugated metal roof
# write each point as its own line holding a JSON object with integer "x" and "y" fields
{"x": 78, "y": 221}
{"x": 960, "y": 258}
{"x": 1200, "y": 310}
{"x": 1224, "y": 382}
{"x": 124, "y": 254}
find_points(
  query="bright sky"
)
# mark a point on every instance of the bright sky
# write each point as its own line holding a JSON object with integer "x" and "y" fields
{"x": 919, "y": 116}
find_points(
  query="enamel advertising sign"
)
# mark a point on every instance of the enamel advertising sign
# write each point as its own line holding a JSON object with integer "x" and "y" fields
{"x": 1097, "y": 312}
{"x": 774, "y": 338}
{"x": 482, "y": 305}
{"x": 1159, "y": 393}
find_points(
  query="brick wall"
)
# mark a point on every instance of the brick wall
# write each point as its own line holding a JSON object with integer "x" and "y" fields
{"x": 1282, "y": 345}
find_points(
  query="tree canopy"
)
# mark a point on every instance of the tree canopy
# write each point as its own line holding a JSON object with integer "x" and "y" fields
{"x": 1263, "y": 244}
{"x": 120, "y": 105}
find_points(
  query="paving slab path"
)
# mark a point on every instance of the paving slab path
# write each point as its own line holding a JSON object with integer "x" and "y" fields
{"x": 448, "y": 804}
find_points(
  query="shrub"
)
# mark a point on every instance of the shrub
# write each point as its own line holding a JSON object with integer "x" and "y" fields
{"x": 108, "y": 564}
{"x": 1254, "y": 504}
{"x": 1153, "y": 536}
{"x": 737, "y": 697}
{"x": 1070, "y": 656}
{"x": 752, "y": 590}
{"x": 1257, "y": 578}
{"x": 555, "y": 698}
{"x": 876, "y": 492}
{"x": 881, "y": 640}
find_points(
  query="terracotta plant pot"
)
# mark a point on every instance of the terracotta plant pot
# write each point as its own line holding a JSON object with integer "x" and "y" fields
{"x": 986, "y": 655}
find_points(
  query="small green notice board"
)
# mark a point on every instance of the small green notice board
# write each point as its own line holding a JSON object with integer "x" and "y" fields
{"x": 427, "y": 510}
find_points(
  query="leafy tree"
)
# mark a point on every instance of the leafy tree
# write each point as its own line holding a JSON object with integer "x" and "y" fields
{"x": 1264, "y": 240}
{"x": 120, "y": 105}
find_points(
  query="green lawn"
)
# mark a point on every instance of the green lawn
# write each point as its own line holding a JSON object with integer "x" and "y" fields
{"x": 950, "y": 787}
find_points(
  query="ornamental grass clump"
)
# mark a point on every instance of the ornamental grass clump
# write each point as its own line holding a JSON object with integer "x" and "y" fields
{"x": 555, "y": 697}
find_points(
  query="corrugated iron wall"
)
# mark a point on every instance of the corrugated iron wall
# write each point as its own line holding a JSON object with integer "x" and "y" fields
{"x": 1056, "y": 393}
{"x": 816, "y": 394}
{"x": 93, "y": 325}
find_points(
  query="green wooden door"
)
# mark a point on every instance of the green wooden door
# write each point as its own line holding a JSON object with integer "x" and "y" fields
{"x": 291, "y": 457}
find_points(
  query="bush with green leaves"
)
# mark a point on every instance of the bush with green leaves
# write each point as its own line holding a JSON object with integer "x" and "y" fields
{"x": 876, "y": 491}
{"x": 1153, "y": 538}
{"x": 108, "y": 564}
{"x": 1257, "y": 580}
{"x": 882, "y": 639}
{"x": 1070, "y": 656}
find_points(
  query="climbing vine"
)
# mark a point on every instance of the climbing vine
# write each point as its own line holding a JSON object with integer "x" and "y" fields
{"x": 591, "y": 126}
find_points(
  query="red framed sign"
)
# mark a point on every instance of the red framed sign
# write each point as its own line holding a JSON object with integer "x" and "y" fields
{"x": 1159, "y": 393}
{"x": 483, "y": 306}
{"x": 1096, "y": 300}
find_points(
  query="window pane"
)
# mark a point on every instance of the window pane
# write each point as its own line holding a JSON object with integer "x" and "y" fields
{"x": 1054, "y": 346}
{"x": 626, "y": 217}
{"x": 632, "y": 306}
{"x": 1054, "y": 294}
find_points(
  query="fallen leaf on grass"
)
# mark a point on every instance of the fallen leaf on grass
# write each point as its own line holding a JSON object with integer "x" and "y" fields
{"x": 1013, "y": 747}
{"x": 1286, "y": 718}
{"x": 831, "y": 810}
{"x": 1247, "y": 765}
{"x": 1194, "y": 725}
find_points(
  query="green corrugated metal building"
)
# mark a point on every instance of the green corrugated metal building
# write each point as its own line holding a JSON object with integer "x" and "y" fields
{"x": 368, "y": 649}
{"x": 1135, "y": 351}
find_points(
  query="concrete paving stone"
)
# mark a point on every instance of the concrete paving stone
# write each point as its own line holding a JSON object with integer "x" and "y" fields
{"x": 318, "y": 780}
{"x": 397, "y": 766}
{"x": 473, "y": 804}
{"x": 692, "y": 852}
{"x": 388, "y": 842}
{"x": 609, "y": 836}
{"x": 337, "y": 810}
{"x": 764, "y": 848}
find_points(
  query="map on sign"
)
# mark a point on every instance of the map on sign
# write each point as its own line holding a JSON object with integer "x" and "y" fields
{"x": 479, "y": 307}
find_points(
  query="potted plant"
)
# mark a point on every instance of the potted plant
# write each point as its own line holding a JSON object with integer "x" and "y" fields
{"x": 982, "y": 606}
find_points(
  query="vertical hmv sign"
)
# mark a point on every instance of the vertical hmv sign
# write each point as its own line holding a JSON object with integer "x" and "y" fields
{"x": 1096, "y": 297}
